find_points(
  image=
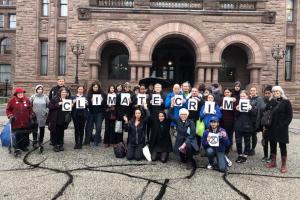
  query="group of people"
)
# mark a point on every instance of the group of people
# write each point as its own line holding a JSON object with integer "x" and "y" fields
{"x": 151, "y": 116}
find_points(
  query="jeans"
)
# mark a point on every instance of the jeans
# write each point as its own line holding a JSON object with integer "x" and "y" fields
{"x": 211, "y": 153}
{"x": 93, "y": 119}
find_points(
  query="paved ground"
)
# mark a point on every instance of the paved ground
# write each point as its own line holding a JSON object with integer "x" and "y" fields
{"x": 94, "y": 173}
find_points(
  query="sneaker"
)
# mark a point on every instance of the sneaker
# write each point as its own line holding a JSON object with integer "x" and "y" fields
{"x": 244, "y": 159}
{"x": 229, "y": 163}
{"x": 56, "y": 148}
{"x": 264, "y": 159}
{"x": 268, "y": 160}
{"x": 76, "y": 146}
{"x": 209, "y": 166}
{"x": 61, "y": 148}
{"x": 239, "y": 159}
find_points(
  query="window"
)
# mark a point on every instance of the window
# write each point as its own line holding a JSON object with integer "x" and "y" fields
{"x": 290, "y": 10}
{"x": 5, "y": 46}
{"x": 7, "y": 2}
{"x": 1, "y": 21}
{"x": 62, "y": 58}
{"x": 5, "y": 71}
{"x": 118, "y": 68}
{"x": 12, "y": 21}
{"x": 288, "y": 63}
{"x": 44, "y": 58}
{"x": 63, "y": 8}
{"x": 45, "y": 7}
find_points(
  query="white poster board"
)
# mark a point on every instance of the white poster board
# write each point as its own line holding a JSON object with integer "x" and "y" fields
{"x": 209, "y": 107}
{"x": 141, "y": 99}
{"x": 178, "y": 100}
{"x": 80, "y": 103}
{"x": 213, "y": 139}
{"x": 97, "y": 99}
{"x": 244, "y": 105}
{"x": 67, "y": 105}
{"x": 125, "y": 99}
{"x": 227, "y": 103}
{"x": 111, "y": 99}
{"x": 193, "y": 104}
{"x": 156, "y": 99}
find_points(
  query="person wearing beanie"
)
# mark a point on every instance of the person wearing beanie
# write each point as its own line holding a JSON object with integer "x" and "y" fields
{"x": 19, "y": 111}
{"x": 237, "y": 90}
{"x": 39, "y": 102}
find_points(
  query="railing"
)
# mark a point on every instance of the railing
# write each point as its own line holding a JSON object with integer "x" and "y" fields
{"x": 238, "y": 5}
{"x": 116, "y": 3}
{"x": 177, "y": 4}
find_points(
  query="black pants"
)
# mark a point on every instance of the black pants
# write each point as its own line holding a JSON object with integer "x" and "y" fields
{"x": 239, "y": 135}
{"x": 229, "y": 130}
{"x": 41, "y": 135}
{"x": 110, "y": 136}
{"x": 188, "y": 156}
{"x": 134, "y": 152}
{"x": 58, "y": 135}
{"x": 79, "y": 124}
{"x": 266, "y": 143}
{"x": 282, "y": 147}
{"x": 21, "y": 139}
{"x": 162, "y": 156}
{"x": 254, "y": 140}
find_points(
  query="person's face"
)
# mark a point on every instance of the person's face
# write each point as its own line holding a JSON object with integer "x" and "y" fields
{"x": 119, "y": 88}
{"x": 137, "y": 114}
{"x": 142, "y": 90}
{"x": 176, "y": 89}
{"x": 227, "y": 93}
{"x": 210, "y": 98}
{"x": 243, "y": 96}
{"x": 185, "y": 87}
{"x": 95, "y": 88}
{"x": 61, "y": 82}
{"x": 157, "y": 88}
{"x": 183, "y": 116}
{"x": 20, "y": 95}
{"x": 136, "y": 91}
{"x": 111, "y": 89}
{"x": 253, "y": 92}
{"x": 80, "y": 90}
{"x": 268, "y": 94}
{"x": 63, "y": 94}
{"x": 39, "y": 90}
{"x": 150, "y": 87}
{"x": 195, "y": 92}
{"x": 214, "y": 124}
{"x": 237, "y": 88}
{"x": 161, "y": 117}
{"x": 206, "y": 92}
{"x": 127, "y": 88}
{"x": 277, "y": 94}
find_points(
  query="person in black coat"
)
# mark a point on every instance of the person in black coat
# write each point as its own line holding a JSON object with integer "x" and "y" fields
{"x": 136, "y": 129}
{"x": 160, "y": 143}
{"x": 282, "y": 115}
{"x": 56, "y": 119}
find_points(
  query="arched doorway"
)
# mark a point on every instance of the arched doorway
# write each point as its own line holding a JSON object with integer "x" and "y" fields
{"x": 234, "y": 63}
{"x": 114, "y": 64}
{"x": 174, "y": 59}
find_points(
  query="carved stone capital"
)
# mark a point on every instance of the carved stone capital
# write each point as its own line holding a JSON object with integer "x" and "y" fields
{"x": 84, "y": 13}
{"x": 269, "y": 17}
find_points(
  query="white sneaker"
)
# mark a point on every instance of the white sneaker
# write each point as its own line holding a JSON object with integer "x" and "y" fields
{"x": 209, "y": 166}
{"x": 229, "y": 163}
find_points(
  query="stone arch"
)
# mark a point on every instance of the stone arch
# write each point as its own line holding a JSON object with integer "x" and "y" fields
{"x": 251, "y": 46}
{"x": 102, "y": 38}
{"x": 187, "y": 31}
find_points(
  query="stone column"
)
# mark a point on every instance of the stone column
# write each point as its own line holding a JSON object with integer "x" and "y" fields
{"x": 146, "y": 71}
{"x": 255, "y": 72}
{"x": 200, "y": 78}
{"x": 94, "y": 72}
{"x": 215, "y": 78}
{"x": 208, "y": 75}
{"x": 139, "y": 73}
{"x": 132, "y": 73}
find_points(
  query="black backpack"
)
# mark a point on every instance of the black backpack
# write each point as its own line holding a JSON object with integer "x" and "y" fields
{"x": 120, "y": 150}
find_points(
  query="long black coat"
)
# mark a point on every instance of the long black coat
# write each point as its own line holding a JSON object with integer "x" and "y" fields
{"x": 56, "y": 116}
{"x": 160, "y": 136}
{"x": 281, "y": 118}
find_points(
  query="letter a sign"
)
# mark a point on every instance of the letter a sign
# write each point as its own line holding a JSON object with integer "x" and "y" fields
{"x": 228, "y": 103}
{"x": 125, "y": 98}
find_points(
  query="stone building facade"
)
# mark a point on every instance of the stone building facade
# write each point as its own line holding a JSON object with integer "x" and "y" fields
{"x": 201, "y": 41}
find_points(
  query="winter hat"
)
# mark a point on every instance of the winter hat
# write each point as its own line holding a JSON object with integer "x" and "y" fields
{"x": 214, "y": 119}
{"x": 19, "y": 90}
{"x": 237, "y": 83}
{"x": 38, "y": 86}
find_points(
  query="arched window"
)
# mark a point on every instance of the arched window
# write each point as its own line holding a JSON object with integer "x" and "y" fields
{"x": 5, "y": 46}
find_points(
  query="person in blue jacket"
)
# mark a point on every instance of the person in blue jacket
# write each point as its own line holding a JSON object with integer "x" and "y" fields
{"x": 215, "y": 141}
{"x": 207, "y": 116}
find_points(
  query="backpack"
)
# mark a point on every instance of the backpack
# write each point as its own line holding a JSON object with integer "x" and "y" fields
{"x": 120, "y": 150}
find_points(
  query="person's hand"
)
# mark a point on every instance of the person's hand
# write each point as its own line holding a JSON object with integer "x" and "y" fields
{"x": 172, "y": 103}
{"x": 237, "y": 107}
{"x": 60, "y": 103}
{"x": 182, "y": 148}
{"x": 125, "y": 119}
{"x": 74, "y": 101}
{"x": 145, "y": 106}
{"x": 214, "y": 112}
{"x": 208, "y": 138}
{"x": 183, "y": 101}
{"x": 234, "y": 99}
{"x": 249, "y": 107}
{"x": 151, "y": 102}
{"x": 11, "y": 116}
{"x": 161, "y": 101}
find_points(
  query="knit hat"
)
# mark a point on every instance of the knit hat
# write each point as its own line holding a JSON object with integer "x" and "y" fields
{"x": 39, "y": 86}
{"x": 237, "y": 83}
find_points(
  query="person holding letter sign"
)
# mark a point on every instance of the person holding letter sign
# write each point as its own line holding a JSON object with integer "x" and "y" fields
{"x": 79, "y": 115}
{"x": 209, "y": 109}
{"x": 96, "y": 105}
{"x": 244, "y": 127}
{"x": 215, "y": 141}
{"x": 58, "y": 109}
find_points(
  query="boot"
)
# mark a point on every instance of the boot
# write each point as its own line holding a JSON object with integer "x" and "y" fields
{"x": 272, "y": 164}
{"x": 283, "y": 168}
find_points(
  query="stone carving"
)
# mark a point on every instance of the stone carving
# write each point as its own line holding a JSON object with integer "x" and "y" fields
{"x": 84, "y": 14}
{"x": 269, "y": 17}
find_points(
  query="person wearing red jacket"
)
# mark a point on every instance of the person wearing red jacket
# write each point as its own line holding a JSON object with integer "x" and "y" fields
{"x": 19, "y": 111}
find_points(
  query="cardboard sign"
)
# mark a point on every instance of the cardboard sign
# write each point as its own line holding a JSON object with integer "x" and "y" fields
{"x": 178, "y": 100}
{"x": 213, "y": 139}
{"x": 193, "y": 104}
{"x": 209, "y": 107}
{"x": 97, "y": 99}
{"x": 67, "y": 105}
{"x": 141, "y": 99}
{"x": 244, "y": 105}
{"x": 156, "y": 99}
{"x": 111, "y": 99}
{"x": 125, "y": 99}
{"x": 227, "y": 103}
{"x": 80, "y": 103}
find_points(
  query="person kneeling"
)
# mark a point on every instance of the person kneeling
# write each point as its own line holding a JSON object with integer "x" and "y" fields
{"x": 215, "y": 141}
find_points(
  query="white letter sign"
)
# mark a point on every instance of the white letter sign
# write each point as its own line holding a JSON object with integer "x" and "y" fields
{"x": 244, "y": 105}
{"x": 178, "y": 100}
{"x": 227, "y": 103}
{"x": 193, "y": 104}
{"x": 209, "y": 107}
{"x": 67, "y": 105}
{"x": 125, "y": 98}
{"x": 141, "y": 99}
{"x": 80, "y": 102}
{"x": 156, "y": 99}
{"x": 97, "y": 99}
{"x": 111, "y": 99}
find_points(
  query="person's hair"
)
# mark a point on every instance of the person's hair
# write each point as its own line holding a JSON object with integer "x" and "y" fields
{"x": 268, "y": 88}
{"x": 209, "y": 89}
{"x": 279, "y": 88}
{"x": 162, "y": 112}
{"x": 201, "y": 87}
{"x": 184, "y": 111}
{"x": 60, "y": 91}
{"x": 108, "y": 90}
{"x": 142, "y": 114}
{"x": 227, "y": 89}
{"x": 119, "y": 85}
{"x": 137, "y": 87}
{"x": 99, "y": 88}
{"x": 60, "y": 78}
{"x": 79, "y": 87}
{"x": 245, "y": 92}
{"x": 186, "y": 82}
